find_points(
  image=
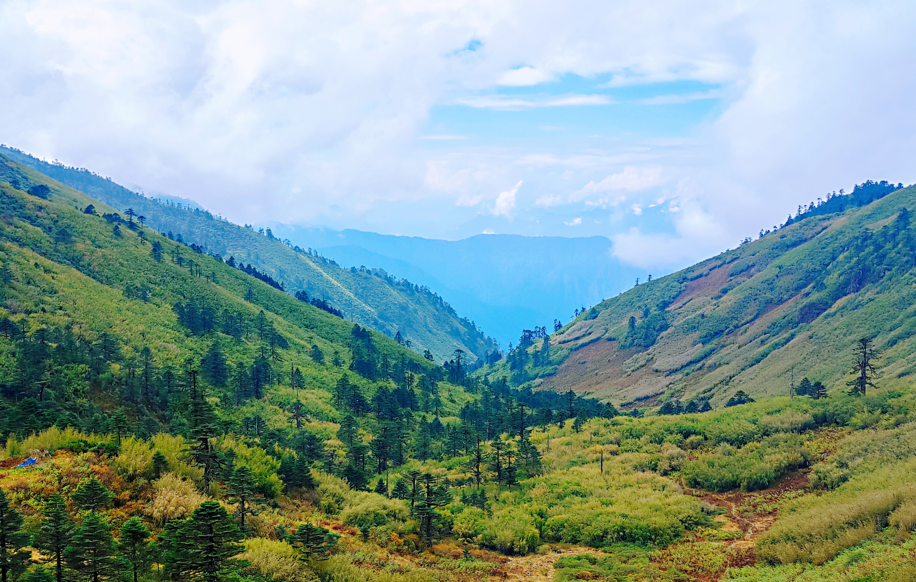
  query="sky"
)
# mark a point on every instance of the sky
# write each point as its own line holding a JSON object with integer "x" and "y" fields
{"x": 673, "y": 128}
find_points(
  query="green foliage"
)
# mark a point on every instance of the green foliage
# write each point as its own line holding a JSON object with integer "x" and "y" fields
{"x": 12, "y": 541}
{"x": 55, "y": 532}
{"x": 92, "y": 552}
{"x": 753, "y": 467}
{"x": 92, "y": 495}
{"x": 135, "y": 547}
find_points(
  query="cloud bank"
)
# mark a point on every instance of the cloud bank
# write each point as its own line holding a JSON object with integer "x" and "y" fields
{"x": 406, "y": 117}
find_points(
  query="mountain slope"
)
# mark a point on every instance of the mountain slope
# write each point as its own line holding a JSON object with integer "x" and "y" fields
{"x": 505, "y": 283}
{"x": 116, "y": 293}
{"x": 758, "y": 318}
{"x": 368, "y": 297}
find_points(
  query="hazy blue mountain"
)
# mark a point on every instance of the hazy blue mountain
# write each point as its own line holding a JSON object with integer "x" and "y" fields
{"x": 504, "y": 283}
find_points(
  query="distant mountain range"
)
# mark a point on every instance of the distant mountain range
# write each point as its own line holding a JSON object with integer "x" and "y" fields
{"x": 504, "y": 283}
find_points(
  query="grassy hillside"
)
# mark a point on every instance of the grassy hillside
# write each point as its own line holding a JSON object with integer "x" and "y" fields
{"x": 368, "y": 297}
{"x": 757, "y": 318}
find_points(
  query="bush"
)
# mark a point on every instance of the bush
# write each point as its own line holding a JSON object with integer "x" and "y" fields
{"x": 173, "y": 498}
{"x": 264, "y": 468}
{"x": 276, "y": 560}
{"x": 175, "y": 450}
{"x": 511, "y": 531}
{"x": 368, "y": 510}
{"x": 754, "y": 467}
{"x": 135, "y": 458}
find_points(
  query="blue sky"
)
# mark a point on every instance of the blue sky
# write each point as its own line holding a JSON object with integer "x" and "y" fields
{"x": 675, "y": 130}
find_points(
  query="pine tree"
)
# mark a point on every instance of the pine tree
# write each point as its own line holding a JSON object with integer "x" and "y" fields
{"x": 211, "y": 540}
{"x": 120, "y": 424}
{"x": 135, "y": 547}
{"x": 864, "y": 368}
{"x": 92, "y": 495}
{"x": 55, "y": 533}
{"x": 37, "y": 574}
{"x": 214, "y": 366}
{"x": 242, "y": 487}
{"x": 12, "y": 557}
{"x": 314, "y": 541}
{"x": 202, "y": 419}
{"x": 160, "y": 464}
{"x": 400, "y": 490}
{"x": 91, "y": 552}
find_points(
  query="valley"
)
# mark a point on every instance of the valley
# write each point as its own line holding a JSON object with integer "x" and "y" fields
{"x": 174, "y": 412}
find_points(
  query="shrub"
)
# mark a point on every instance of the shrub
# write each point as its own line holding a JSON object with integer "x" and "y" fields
{"x": 754, "y": 467}
{"x": 135, "y": 458}
{"x": 367, "y": 510}
{"x": 276, "y": 560}
{"x": 511, "y": 531}
{"x": 173, "y": 498}
{"x": 263, "y": 467}
{"x": 175, "y": 450}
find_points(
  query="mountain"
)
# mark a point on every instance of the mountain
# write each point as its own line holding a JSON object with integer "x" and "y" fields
{"x": 759, "y": 318}
{"x": 505, "y": 283}
{"x": 152, "y": 392}
{"x": 369, "y": 297}
{"x": 109, "y": 292}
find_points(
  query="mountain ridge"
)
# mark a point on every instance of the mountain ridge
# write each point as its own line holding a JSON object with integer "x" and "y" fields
{"x": 369, "y": 297}
{"x": 750, "y": 319}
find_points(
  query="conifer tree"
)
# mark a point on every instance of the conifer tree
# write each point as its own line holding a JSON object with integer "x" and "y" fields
{"x": 400, "y": 490}
{"x": 160, "y": 464}
{"x": 120, "y": 424}
{"x": 12, "y": 540}
{"x": 91, "y": 552}
{"x": 92, "y": 495}
{"x": 212, "y": 540}
{"x": 55, "y": 533}
{"x": 314, "y": 541}
{"x": 135, "y": 547}
{"x": 242, "y": 488}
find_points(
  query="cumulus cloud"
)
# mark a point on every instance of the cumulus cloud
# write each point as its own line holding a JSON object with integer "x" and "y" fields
{"x": 505, "y": 202}
{"x": 524, "y": 77}
{"x": 630, "y": 179}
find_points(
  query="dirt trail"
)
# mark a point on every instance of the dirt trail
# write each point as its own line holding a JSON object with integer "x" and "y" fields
{"x": 539, "y": 567}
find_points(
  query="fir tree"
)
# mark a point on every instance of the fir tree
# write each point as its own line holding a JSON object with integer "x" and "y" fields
{"x": 242, "y": 488}
{"x": 135, "y": 547}
{"x": 91, "y": 552}
{"x": 210, "y": 540}
{"x": 12, "y": 557}
{"x": 55, "y": 533}
{"x": 314, "y": 541}
{"x": 92, "y": 495}
{"x": 160, "y": 464}
{"x": 120, "y": 424}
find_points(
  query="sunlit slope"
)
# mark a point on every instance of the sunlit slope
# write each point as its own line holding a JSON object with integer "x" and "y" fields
{"x": 368, "y": 297}
{"x": 64, "y": 269}
{"x": 786, "y": 306}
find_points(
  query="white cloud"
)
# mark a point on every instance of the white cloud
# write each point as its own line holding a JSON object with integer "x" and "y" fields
{"x": 505, "y": 202}
{"x": 631, "y": 179}
{"x": 677, "y": 98}
{"x": 574, "y": 222}
{"x": 318, "y": 112}
{"x": 548, "y": 200}
{"x": 637, "y": 209}
{"x": 516, "y": 103}
{"x": 524, "y": 77}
